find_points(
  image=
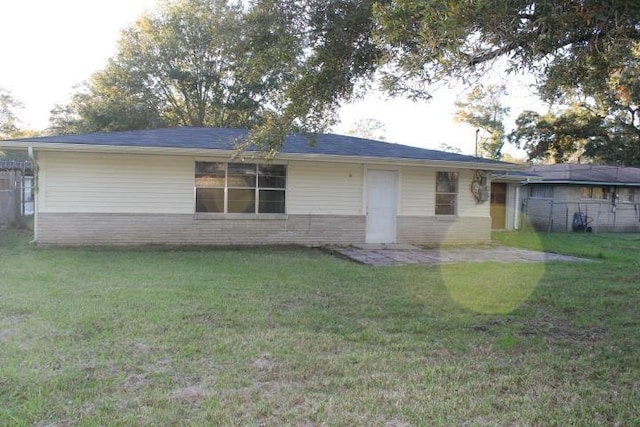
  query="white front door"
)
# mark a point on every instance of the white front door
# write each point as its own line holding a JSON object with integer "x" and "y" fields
{"x": 381, "y": 206}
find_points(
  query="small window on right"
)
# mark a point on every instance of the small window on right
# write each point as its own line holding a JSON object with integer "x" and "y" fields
{"x": 541, "y": 191}
{"x": 446, "y": 193}
{"x": 631, "y": 197}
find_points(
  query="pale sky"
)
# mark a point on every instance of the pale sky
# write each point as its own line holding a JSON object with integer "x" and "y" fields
{"x": 49, "y": 46}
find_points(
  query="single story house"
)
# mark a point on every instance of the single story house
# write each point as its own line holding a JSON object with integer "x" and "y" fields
{"x": 582, "y": 197}
{"x": 191, "y": 186}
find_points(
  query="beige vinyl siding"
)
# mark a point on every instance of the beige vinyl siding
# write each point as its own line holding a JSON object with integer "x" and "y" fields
{"x": 114, "y": 183}
{"x": 417, "y": 191}
{"x": 132, "y": 183}
{"x": 437, "y": 230}
{"x": 467, "y": 204}
{"x": 318, "y": 188}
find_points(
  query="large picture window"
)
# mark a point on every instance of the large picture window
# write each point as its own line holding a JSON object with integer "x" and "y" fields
{"x": 446, "y": 193}
{"x": 240, "y": 187}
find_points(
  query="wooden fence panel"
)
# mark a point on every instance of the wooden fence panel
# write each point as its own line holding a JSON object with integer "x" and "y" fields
{"x": 10, "y": 185}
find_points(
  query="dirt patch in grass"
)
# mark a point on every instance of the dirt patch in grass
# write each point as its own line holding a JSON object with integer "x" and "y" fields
{"x": 205, "y": 319}
{"x": 263, "y": 363}
{"x": 291, "y": 305}
{"x": 9, "y": 326}
{"x": 191, "y": 395}
{"x": 6, "y": 334}
{"x": 142, "y": 348}
{"x": 136, "y": 381}
{"x": 556, "y": 331}
{"x": 396, "y": 423}
{"x": 553, "y": 329}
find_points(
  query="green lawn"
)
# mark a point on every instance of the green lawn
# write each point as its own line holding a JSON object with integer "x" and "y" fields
{"x": 290, "y": 336}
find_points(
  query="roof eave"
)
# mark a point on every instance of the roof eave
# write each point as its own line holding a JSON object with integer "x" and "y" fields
{"x": 600, "y": 183}
{"x": 398, "y": 160}
{"x": 39, "y": 146}
{"x": 516, "y": 179}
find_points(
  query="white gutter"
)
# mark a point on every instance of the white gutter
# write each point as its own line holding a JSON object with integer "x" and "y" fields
{"x": 596, "y": 183}
{"x": 516, "y": 216}
{"x": 34, "y": 191}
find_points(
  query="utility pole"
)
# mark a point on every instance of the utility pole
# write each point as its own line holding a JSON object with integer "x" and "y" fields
{"x": 477, "y": 132}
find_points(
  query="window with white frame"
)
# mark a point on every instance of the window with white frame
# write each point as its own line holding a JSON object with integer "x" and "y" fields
{"x": 591, "y": 192}
{"x": 541, "y": 191}
{"x": 446, "y": 193}
{"x": 585, "y": 192}
{"x": 240, "y": 187}
{"x": 632, "y": 195}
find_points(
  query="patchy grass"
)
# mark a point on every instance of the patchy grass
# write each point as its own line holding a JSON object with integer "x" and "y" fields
{"x": 617, "y": 247}
{"x": 269, "y": 336}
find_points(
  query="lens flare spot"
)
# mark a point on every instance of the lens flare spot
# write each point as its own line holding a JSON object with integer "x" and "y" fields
{"x": 492, "y": 288}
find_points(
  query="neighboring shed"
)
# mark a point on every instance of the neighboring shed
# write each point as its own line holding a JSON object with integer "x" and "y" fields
{"x": 583, "y": 197}
{"x": 191, "y": 186}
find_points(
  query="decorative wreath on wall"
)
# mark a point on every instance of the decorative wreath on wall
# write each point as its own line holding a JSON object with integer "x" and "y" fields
{"x": 479, "y": 186}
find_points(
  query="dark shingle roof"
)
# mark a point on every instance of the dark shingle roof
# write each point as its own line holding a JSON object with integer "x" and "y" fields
{"x": 597, "y": 174}
{"x": 515, "y": 176}
{"x": 225, "y": 139}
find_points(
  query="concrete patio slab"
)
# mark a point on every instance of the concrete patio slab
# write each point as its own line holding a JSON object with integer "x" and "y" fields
{"x": 382, "y": 255}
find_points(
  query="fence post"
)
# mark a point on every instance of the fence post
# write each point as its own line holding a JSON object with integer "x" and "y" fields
{"x": 550, "y": 216}
{"x": 19, "y": 195}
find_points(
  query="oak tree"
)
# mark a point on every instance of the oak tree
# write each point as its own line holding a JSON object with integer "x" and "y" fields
{"x": 484, "y": 109}
{"x": 277, "y": 66}
{"x": 598, "y": 120}
{"x": 8, "y": 118}
{"x": 411, "y": 45}
{"x": 184, "y": 64}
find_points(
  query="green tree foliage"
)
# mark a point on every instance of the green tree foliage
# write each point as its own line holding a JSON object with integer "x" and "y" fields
{"x": 9, "y": 123}
{"x": 434, "y": 40}
{"x": 412, "y": 45}
{"x": 335, "y": 54}
{"x": 561, "y": 137}
{"x": 289, "y": 64}
{"x": 187, "y": 64}
{"x": 598, "y": 120}
{"x": 368, "y": 128}
{"x": 100, "y": 106}
{"x": 279, "y": 65}
{"x": 8, "y": 119}
{"x": 483, "y": 109}
{"x": 449, "y": 148}
{"x": 579, "y": 132}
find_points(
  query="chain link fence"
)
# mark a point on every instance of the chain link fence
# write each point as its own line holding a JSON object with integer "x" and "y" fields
{"x": 583, "y": 216}
{"x": 16, "y": 197}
